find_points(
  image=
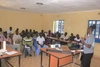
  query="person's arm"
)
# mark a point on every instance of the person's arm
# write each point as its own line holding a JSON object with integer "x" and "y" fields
{"x": 87, "y": 45}
{"x": 31, "y": 43}
{"x": 61, "y": 37}
{"x": 38, "y": 43}
{"x": 23, "y": 43}
{"x": 90, "y": 42}
{"x": 43, "y": 40}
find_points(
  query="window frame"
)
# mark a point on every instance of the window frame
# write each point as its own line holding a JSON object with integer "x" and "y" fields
{"x": 60, "y": 25}
{"x": 94, "y": 32}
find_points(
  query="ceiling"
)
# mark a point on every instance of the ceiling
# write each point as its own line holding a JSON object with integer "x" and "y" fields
{"x": 50, "y": 6}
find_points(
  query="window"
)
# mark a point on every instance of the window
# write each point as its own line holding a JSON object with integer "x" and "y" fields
{"x": 96, "y": 32}
{"x": 58, "y": 26}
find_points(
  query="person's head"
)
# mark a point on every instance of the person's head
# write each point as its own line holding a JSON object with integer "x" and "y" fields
{"x": 16, "y": 32}
{"x": 26, "y": 30}
{"x": 10, "y": 28}
{"x": 34, "y": 31}
{"x": 77, "y": 35}
{"x": 28, "y": 35}
{"x": 72, "y": 34}
{"x": 41, "y": 34}
{"x": 65, "y": 33}
{"x": 0, "y": 29}
{"x": 57, "y": 32}
{"x": 17, "y": 29}
{"x": 5, "y": 34}
{"x": 49, "y": 31}
{"x": 42, "y": 31}
{"x": 30, "y": 30}
{"x": 23, "y": 31}
{"x": 90, "y": 29}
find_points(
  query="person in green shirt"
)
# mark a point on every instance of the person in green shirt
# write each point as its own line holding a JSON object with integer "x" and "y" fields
{"x": 28, "y": 44}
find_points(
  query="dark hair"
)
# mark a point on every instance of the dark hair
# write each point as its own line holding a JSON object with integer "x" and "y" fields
{"x": 1, "y": 29}
{"x": 93, "y": 27}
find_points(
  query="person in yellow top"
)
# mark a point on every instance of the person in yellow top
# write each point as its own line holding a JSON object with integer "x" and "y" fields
{"x": 28, "y": 44}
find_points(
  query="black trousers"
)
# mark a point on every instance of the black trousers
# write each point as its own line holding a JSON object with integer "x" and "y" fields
{"x": 86, "y": 59}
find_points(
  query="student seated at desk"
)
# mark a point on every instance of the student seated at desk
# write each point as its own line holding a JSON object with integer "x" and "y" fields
{"x": 42, "y": 31}
{"x": 64, "y": 37}
{"x": 78, "y": 40}
{"x": 40, "y": 41}
{"x": 28, "y": 44}
{"x": 48, "y": 40}
{"x": 10, "y": 31}
{"x": 22, "y": 34}
{"x": 72, "y": 37}
{"x": 31, "y": 33}
{"x": 17, "y": 38}
{"x": 17, "y": 41}
{"x": 49, "y": 33}
{"x": 57, "y": 35}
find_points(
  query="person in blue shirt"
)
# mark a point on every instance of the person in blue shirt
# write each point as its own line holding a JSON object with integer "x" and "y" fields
{"x": 88, "y": 49}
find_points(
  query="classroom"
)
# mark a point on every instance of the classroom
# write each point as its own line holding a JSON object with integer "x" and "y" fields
{"x": 42, "y": 16}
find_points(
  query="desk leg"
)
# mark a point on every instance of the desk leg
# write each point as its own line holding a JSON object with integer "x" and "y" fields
{"x": 41, "y": 60}
{"x": 49, "y": 60}
{"x": 19, "y": 61}
{"x": 0, "y": 63}
{"x": 58, "y": 63}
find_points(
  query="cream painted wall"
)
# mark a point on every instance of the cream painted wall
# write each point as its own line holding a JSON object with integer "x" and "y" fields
{"x": 75, "y": 22}
{"x": 21, "y": 20}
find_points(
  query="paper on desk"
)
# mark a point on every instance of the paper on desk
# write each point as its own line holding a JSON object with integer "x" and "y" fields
{"x": 11, "y": 52}
{"x": 80, "y": 50}
{"x": 72, "y": 50}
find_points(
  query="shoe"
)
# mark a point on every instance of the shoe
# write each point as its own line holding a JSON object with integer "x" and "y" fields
{"x": 30, "y": 55}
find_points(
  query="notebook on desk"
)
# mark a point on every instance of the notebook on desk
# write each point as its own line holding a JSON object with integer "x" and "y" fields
{"x": 55, "y": 46}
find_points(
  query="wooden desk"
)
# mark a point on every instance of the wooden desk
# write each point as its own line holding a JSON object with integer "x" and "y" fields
{"x": 68, "y": 41}
{"x": 13, "y": 55}
{"x": 57, "y": 59}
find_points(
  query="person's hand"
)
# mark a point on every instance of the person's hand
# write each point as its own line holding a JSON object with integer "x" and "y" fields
{"x": 85, "y": 37}
{"x": 82, "y": 40}
{"x": 27, "y": 45}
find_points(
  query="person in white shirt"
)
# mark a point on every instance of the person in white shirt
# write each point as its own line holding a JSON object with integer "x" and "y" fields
{"x": 17, "y": 38}
{"x": 78, "y": 40}
{"x": 64, "y": 37}
{"x": 41, "y": 42}
{"x": 10, "y": 31}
